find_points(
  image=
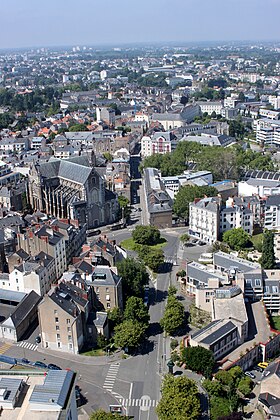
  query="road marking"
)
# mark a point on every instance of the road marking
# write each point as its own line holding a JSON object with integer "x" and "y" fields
{"x": 5, "y": 348}
{"x": 27, "y": 345}
{"x": 144, "y": 402}
{"x": 111, "y": 376}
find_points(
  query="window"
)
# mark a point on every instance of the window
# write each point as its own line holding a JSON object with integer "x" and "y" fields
{"x": 16, "y": 280}
{"x": 69, "y": 337}
{"x": 108, "y": 305}
{"x": 68, "y": 329}
{"x": 58, "y": 336}
{"x": 207, "y": 300}
{"x": 70, "y": 345}
{"x": 57, "y": 327}
{"x": 258, "y": 282}
{"x": 59, "y": 345}
{"x": 274, "y": 289}
{"x": 56, "y": 319}
{"x": 107, "y": 289}
{"x": 67, "y": 321}
{"x": 107, "y": 297}
{"x": 55, "y": 312}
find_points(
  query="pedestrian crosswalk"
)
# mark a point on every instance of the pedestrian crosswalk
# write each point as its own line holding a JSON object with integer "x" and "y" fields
{"x": 111, "y": 376}
{"x": 26, "y": 345}
{"x": 134, "y": 402}
{"x": 5, "y": 347}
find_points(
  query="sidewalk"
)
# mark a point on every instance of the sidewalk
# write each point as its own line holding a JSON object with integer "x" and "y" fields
{"x": 83, "y": 360}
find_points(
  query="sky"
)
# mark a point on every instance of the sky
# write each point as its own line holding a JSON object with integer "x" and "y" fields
{"x": 32, "y": 23}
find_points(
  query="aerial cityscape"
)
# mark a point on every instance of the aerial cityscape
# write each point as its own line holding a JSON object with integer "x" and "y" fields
{"x": 140, "y": 210}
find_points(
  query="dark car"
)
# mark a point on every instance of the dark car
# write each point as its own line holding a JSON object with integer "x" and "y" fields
{"x": 38, "y": 339}
{"x": 78, "y": 396}
{"x": 51, "y": 366}
{"x": 40, "y": 365}
{"x": 25, "y": 361}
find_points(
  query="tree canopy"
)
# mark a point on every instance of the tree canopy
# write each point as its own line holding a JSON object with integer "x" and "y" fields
{"x": 146, "y": 235}
{"x": 187, "y": 194}
{"x": 180, "y": 399}
{"x": 129, "y": 334}
{"x": 267, "y": 259}
{"x": 135, "y": 310}
{"x": 198, "y": 359}
{"x": 134, "y": 277}
{"x": 224, "y": 163}
{"x": 104, "y": 415}
{"x": 237, "y": 239}
{"x": 174, "y": 313}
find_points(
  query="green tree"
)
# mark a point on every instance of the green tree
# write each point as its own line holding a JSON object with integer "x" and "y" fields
{"x": 154, "y": 258}
{"x": 174, "y": 315}
{"x": 267, "y": 259}
{"x": 184, "y": 238}
{"x": 188, "y": 194}
{"x": 135, "y": 310}
{"x": 146, "y": 235}
{"x": 129, "y": 334}
{"x": 198, "y": 359}
{"x": 115, "y": 317}
{"x": 103, "y": 415}
{"x": 78, "y": 127}
{"x": 245, "y": 386}
{"x": 108, "y": 156}
{"x": 237, "y": 239}
{"x": 134, "y": 277}
{"x": 179, "y": 400}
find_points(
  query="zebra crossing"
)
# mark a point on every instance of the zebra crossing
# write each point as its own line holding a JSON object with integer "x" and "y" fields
{"x": 135, "y": 402}
{"x": 26, "y": 345}
{"x": 111, "y": 376}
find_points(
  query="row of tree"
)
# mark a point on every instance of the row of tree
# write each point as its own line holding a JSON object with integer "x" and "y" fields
{"x": 224, "y": 163}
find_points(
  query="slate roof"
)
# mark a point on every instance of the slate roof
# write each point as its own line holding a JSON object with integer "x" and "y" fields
{"x": 273, "y": 200}
{"x": 219, "y": 333}
{"x": 104, "y": 276}
{"x": 24, "y": 308}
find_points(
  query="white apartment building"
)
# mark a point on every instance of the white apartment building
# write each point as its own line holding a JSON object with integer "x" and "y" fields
{"x": 159, "y": 143}
{"x": 236, "y": 217}
{"x": 31, "y": 275}
{"x": 209, "y": 107}
{"x": 204, "y": 219}
{"x": 173, "y": 183}
{"x": 272, "y": 212}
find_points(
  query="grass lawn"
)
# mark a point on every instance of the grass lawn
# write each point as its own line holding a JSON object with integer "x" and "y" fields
{"x": 130, "y": 244}
{"x": 257, "y": 240}
{"x": 94, "y": 352}
{"x": 276, "y": 322}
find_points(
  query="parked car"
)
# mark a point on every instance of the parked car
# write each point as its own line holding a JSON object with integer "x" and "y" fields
{"x": 25, "y": 361}
{"x": 258, "y": 369}
{"x": 40, "y": 365}
{"x": 263, "y": 365}
{"x": 38, "y": 339}
{"x": 51, "y": 366}
{"x": 250, "y": 374}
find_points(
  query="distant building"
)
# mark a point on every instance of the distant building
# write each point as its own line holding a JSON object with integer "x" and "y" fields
{"x": 204, "y": 219}
{"x": 159, "y": 143}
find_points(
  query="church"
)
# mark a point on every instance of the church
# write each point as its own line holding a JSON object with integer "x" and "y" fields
{"x": 72, "y": 189}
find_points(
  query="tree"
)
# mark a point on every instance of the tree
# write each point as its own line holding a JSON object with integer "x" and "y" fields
{"x": 103, "y": 415}
{"x": 129, "y": 334}
{"x": 174, "y": 314}
{"x": 180, "y": 399}
{"x": 237, "y": 239}
{"x": 267, "y": 259}
{"x": 134, "y": 277}
{"x": 154, "y": 258}
{"x": 146, "y": 235}
{"x": 108, "y": 156}
{"x": 198, "y": 359}
{"x": 245, "y": 386}
{"x": 188, "y": 194}
{"x": 115, "y": 317}
{"x": 135, "y": 310}
{"x": 184, "y": 238}
{"x": 78, "y": 127}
